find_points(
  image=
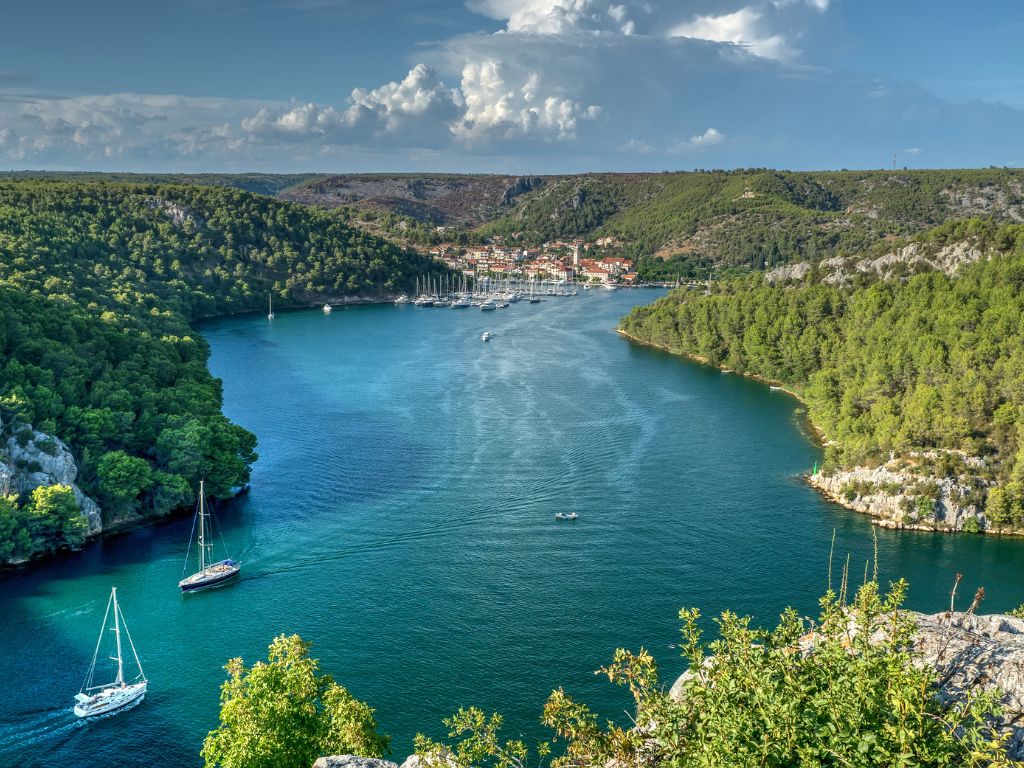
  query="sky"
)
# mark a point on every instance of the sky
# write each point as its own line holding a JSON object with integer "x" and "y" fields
{"x": 509, "y": 86}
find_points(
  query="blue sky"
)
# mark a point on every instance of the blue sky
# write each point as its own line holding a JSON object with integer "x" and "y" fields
{"x": 519, "y": 86}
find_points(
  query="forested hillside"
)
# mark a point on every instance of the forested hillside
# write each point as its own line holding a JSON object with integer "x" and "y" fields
{"x": 687, "y": 223}
{"x": 925, "y": 361}
{"x": 98, "y": 285}
{"x": 673, "y": 224}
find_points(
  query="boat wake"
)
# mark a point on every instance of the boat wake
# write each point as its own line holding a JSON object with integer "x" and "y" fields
{"x": 48, "y": 725}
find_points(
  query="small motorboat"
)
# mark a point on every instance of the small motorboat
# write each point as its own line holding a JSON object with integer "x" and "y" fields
{"x": 488, "y": 306}
{"x": 485, "y": 336}
{"x": 566, "y": 516}
{"x": 327, "y": 309}
{"x": 403, "y": 299}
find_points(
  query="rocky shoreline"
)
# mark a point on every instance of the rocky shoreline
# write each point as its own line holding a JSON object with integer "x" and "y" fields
{"x": 898, "y": 498}
{"x": 892, "y": 494}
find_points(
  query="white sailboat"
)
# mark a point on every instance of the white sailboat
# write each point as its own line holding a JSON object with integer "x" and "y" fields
{"x": 209, "y": 574}
{"x": 270, "y": 306}
{"x": 102, "y": 699}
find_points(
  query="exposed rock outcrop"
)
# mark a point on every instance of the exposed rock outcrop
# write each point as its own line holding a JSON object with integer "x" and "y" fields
{"x": 352, "y": 761}
{"x": 180, "y": 215}
{"x": 900, "y": 263}
{"x": 520, "y": 186}
{"x": 979, "y": 653}
{"x": 898, "y": 497}
{"x": 29, "y": 459}
{"x": 788, "y": 273}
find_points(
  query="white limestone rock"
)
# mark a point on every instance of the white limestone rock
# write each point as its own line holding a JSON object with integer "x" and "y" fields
{"x": 352, "y": 761}
{"x": 44, "y": 460}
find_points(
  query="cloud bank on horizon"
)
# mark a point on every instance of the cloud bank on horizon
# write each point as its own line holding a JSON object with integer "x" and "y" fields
{"x": 561, "y": 85}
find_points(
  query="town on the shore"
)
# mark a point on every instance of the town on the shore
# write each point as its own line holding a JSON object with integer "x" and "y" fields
{"x": 559, "y": 260}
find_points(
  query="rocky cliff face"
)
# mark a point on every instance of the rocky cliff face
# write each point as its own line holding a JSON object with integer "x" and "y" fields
{"x": 979, "y": 653}
{"x": 354, "y": 761}
{"x": 898, "y": 497}
{"x": 29, "y": 459}
{"x": 900, "y": 263}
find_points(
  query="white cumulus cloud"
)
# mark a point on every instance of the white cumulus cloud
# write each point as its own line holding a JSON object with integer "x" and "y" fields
{"x": 559, "y": 17}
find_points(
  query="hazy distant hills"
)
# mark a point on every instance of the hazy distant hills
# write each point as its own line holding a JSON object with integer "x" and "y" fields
{"x": 671, "y": 222}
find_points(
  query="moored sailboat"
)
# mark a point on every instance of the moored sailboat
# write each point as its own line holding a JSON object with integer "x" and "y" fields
{"x": 105, "y": 698}
{"x": 270, "y": 306}
{"x": 209, "y": 574}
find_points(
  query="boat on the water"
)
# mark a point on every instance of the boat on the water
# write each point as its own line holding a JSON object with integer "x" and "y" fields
{"x": 210, "y": 574}
{"x": 485, "y": 336}
{"x": 773, "y": 388}
{"x": 461, "y": 303}
{"x": 566, "y": 516}
{"x": 105, "y": 698}
{"x": 327, "y": 309}
{"x": 403, "y": 299}
{"x": 270, "y": 306}
{"x": 488, "y": 306}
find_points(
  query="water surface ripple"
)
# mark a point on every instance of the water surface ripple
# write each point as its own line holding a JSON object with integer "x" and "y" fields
{"x": 401, "y": 519}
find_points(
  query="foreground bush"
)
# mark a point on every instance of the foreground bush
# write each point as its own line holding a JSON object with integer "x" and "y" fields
{"x": 843, "y": 690}
{"x": 282, "y": 714}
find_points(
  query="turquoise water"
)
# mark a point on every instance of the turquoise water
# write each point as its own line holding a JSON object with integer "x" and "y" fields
{"x": 401, "y": 519}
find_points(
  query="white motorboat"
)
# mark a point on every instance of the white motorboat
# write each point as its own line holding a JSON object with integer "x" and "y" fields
{"x": 327, "y": 309}
{"x": 488, "y": 306}
{"x": 93, "y": 700}
{"x": 566, "y": 516}
{"x": 461, "y": 303}
{"x": 403, "y": 299}
{"x": 485, "y": 336}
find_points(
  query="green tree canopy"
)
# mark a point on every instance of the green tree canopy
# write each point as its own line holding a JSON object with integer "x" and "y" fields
{"x": 283, "y": 714}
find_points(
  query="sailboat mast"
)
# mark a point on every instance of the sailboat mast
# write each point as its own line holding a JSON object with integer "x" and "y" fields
{"x": 202, "y": 528}
{"x": 117, "y": 634}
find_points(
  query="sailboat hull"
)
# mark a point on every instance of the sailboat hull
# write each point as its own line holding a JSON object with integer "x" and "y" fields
{"x": 214, "y": 576}
{"x": 109, "y": 700}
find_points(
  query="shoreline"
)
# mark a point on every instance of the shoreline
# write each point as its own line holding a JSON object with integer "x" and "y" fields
{"x": 339, "y": 302}
{"x": 777, "y": 386}
{"x": 816, "y": 481}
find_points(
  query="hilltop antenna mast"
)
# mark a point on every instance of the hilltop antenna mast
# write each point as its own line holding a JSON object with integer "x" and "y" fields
{"x": 894, "y": 161}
